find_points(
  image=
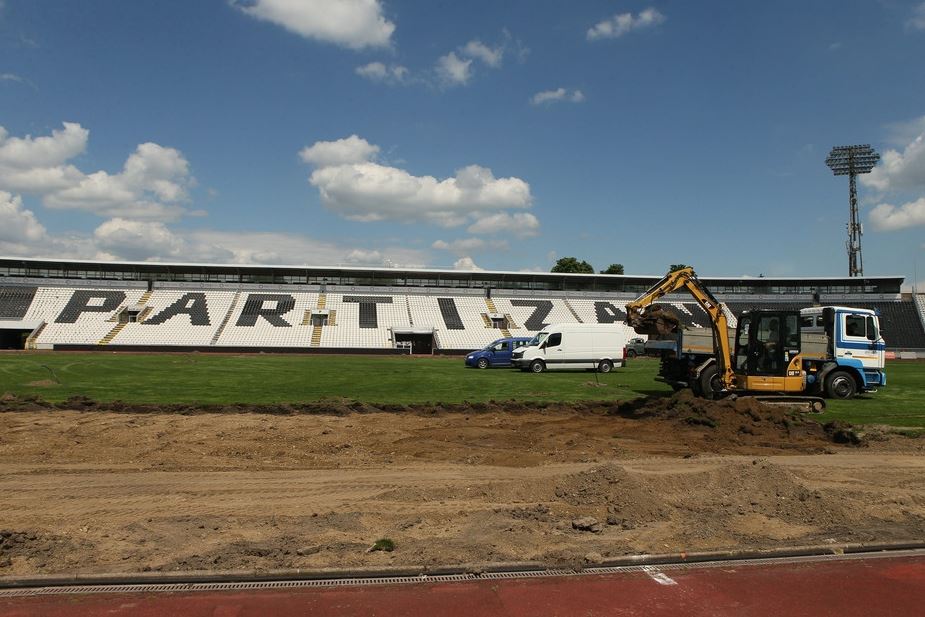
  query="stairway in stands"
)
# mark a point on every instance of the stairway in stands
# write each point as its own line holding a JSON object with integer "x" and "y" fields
{"x": 31, "y": 340}
{"x": 116, "y": 329}
{"x": 491, "y": 309}
{"x": 316, "y": 330}
{"x": 221, "y": 327}
{"x": 572, "y": 311}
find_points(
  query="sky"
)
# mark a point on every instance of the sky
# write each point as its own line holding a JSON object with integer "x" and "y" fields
{"x": 463, "y": 135}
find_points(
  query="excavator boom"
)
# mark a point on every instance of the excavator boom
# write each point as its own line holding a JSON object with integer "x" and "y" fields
{"x": 645, "y": 317}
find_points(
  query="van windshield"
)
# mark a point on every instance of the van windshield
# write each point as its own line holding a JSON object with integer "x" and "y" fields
{"x": 538, "y": 339}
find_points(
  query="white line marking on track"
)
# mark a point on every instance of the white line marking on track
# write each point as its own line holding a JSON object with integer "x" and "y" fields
{"x": 659, "y": 577}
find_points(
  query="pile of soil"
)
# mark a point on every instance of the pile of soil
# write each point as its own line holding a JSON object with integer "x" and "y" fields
{"x": 738, "y": 420}
{"x": 623, "y": 495}
{"x": 40, "y": 548}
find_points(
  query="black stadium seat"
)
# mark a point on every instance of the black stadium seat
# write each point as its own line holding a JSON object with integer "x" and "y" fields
{"x": 15, "y": 301}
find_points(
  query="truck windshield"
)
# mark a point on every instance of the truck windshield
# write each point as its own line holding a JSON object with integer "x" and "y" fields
{"x": 538, "y": 339}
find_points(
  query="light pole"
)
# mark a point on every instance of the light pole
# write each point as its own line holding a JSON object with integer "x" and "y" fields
{"x": 851, "y": 161}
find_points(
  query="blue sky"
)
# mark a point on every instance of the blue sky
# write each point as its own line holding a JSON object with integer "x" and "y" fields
{"x": 462, "y": 134}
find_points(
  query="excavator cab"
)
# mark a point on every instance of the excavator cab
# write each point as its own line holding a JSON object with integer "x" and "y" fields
{"x": 767, "y": 351}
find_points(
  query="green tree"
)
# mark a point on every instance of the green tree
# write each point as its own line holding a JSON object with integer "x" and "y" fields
{"x": 676, "y": 267}
{"x": 570, "y": 265}
{"x": 613, "y": 269}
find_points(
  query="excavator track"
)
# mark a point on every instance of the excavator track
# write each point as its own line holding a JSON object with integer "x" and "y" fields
{"x": 812, "y": 404}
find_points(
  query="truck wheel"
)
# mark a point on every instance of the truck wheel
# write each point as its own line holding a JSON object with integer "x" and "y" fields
{"x": 710, "y": 383}
{"x": 482, "y": 363}
{"x": 840, "y": 385}
{"x": 605, "y": 366}
{"x": 630, "y": 353}
{"x": 537, "y": 366}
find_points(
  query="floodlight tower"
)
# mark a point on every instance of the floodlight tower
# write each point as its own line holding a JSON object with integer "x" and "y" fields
{"x": 851, "y": 161}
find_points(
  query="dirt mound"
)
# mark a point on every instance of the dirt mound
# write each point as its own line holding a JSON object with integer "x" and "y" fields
{"x": 740, "y": 420}
{"x": 283, "y": 552}
{"x": 754, "y": 487}
{"x": 625, "y": 496}
{"x": 41, "y": 549}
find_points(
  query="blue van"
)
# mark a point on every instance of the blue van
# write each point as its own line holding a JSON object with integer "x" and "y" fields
{"x": 496, "y": 354}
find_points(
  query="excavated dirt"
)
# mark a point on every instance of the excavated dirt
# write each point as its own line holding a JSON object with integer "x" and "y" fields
{"x": 91, "y": 487}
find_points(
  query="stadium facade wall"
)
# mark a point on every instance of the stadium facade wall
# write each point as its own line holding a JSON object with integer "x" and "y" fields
{"x": 201, "y": 316}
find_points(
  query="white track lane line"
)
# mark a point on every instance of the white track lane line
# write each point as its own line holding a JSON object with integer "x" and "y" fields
{"x": 658, "y": 576}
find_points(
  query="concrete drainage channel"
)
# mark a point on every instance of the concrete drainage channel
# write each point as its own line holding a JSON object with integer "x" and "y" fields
{"x": 187, "y": 582}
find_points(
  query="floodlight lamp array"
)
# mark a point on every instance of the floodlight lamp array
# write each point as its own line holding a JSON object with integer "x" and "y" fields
{"x": 858, "y": 159}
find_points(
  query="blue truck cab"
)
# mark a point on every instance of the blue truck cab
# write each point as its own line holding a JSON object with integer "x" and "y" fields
{"x": 496, "y": 354}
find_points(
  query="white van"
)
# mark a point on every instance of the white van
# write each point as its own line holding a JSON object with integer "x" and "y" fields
{"x": 575, "y": 346}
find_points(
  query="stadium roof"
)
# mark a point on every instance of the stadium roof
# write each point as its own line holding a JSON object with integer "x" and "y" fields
{"x": 167, "y": 266}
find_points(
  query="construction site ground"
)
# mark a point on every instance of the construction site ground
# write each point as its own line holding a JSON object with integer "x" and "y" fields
{"x": 90, "y": 488}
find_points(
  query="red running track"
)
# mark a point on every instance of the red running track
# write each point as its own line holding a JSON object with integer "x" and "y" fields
{"x": 879, "y": 586}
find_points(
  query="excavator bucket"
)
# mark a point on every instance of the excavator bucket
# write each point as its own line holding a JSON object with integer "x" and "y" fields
{"x": 654, "y": 320}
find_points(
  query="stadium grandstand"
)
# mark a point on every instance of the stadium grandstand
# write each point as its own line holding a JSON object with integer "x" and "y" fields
{"x": 82, "y": 305}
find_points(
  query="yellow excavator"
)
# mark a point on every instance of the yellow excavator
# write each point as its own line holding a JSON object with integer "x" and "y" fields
{"x": 766, "y": 362}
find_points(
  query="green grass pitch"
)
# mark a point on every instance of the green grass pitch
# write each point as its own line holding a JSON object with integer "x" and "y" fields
{"x": 281, "y": 378}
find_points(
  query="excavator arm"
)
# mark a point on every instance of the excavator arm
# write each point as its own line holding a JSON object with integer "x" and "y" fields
{"x": 648, "y": 318}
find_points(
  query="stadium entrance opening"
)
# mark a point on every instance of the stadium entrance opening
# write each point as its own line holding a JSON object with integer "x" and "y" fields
{"x": 422, "y": 341}
{"x": 14, "y": 338}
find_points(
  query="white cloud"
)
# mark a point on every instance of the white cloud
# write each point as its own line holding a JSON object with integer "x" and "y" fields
{"x": 522, "y": 224}
{"x": 11, "y": 77}
{"x": 465, "y": 263}
{"x": 379, "y": 72}
{"x": 886, "y": 217}
{"x": 559, "y": 94}
{"x": 899, "y": 171}
{"x": 347, "y": 151}
{"x": 18, "y": 224}
{"x": 295, "y": 249}
{"x": 138, "y": 240}
{"x": 153, "y": 183}
{"x": 454, "y": 71}
{"x": 355, "y": 24}
{"x": 361, "y": 190}
{"x": 618, "y": 25}
{"x": 917, "y": 20}
{"x": 903, "y": 133}
{"x": 364, "y": 256}
{"x": 31, "y": 152}
{"x": 467, "y": 246}
{"x": 489, "y": 55}
{"x": 125, "y": 239}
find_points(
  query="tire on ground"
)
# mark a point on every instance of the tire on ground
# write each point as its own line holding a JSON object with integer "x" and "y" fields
{"x": 709, "y": 382}
{"x": 840, "y": 385}
{"x": 537, "y": 366}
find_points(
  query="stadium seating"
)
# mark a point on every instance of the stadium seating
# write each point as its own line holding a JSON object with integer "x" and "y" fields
{"x": 81, "y": 316}
{"x": 165, "y": 323}
{"x": 15, "y": 301}
{"x": 355, "y": 320}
